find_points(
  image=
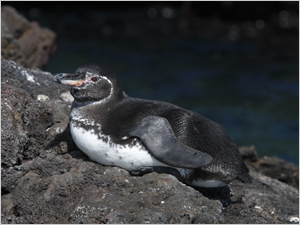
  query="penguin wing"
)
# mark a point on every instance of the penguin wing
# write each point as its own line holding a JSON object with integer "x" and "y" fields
{"x": 158, "y": 136}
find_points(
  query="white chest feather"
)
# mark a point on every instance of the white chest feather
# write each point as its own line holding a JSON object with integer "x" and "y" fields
{"x": 101, "y": 150}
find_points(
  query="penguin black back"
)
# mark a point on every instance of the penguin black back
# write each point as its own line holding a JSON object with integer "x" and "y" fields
{"x": 192, "y": 129}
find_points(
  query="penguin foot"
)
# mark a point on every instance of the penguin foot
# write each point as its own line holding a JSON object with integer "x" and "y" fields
{"x": 142, "y": 170}
{"x": 158, "y": 169}
{"x": 217, "y": 193}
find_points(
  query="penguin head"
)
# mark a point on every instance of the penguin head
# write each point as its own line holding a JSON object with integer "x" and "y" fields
{"x": 91, "y": 82}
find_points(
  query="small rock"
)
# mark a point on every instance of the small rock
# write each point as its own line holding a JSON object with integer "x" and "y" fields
{"x": 271, "y": 166}
{"x": 67, "y": 97}
{"x": 42, "y": 98}
{"x": 249, "y": 153}
{"x": 294, "y": 219}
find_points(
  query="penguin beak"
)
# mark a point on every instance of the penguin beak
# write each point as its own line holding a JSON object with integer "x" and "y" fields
{"x": 68, "y": 79}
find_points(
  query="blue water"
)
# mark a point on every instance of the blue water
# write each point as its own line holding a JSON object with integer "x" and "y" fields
{"x": 252, "y": 91}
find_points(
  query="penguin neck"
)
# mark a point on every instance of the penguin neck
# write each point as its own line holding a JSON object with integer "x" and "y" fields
{"x": 87, "y": 108}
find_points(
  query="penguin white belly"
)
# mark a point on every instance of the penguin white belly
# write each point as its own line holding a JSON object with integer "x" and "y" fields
{"x": 101, "y": 150}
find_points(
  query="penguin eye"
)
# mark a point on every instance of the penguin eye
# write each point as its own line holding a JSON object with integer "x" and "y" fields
{"x": 94, "y": 79}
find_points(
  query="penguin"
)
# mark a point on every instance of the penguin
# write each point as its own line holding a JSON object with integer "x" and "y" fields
{"x": 144, "y": 136}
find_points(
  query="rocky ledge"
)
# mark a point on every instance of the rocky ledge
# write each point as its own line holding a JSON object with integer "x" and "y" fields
{"x": 45, "y": 178}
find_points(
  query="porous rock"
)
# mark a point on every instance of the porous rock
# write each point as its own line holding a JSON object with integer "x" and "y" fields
{"x": 279, "y": 169}
{"x": 25, "y": 42}
{"x": 35, "y": 82}
{"x": 10, "y": 47}
{"x": 55, "y": 182}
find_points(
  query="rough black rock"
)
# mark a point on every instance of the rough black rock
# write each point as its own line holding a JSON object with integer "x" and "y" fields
{"x": 272, "y": 166}
{"x": 45, "y": 178}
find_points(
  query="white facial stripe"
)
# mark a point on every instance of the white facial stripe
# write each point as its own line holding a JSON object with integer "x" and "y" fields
{"x": 111, "y": 88}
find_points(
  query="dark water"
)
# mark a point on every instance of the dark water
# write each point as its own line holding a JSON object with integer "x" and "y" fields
{"x": 249, "y": 87}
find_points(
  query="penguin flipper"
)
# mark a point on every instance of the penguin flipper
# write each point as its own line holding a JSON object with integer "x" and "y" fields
{"x": 158, "y": 136}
